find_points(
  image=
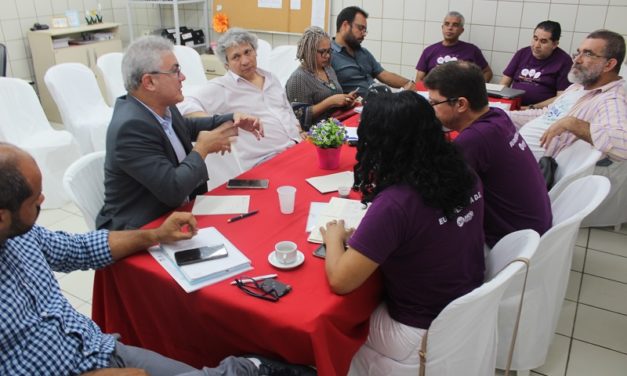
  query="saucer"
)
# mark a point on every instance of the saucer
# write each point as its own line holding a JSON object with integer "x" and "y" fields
{"x": 300, "y": 258}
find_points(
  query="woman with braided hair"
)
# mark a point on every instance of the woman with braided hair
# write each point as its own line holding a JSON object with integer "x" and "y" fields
{"x": 313, "y": 88}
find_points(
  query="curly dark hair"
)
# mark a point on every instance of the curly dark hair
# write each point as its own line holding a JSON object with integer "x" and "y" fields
{"x": 401, "y": 141}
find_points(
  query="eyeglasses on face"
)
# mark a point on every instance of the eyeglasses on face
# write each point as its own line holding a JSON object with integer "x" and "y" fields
{"x": 324, "y": 51}
{"x": 362, "y": 28}
{"x": 447, "y": 100}
{"x": 174, "y": 71}
{"x": 587, "y": 54}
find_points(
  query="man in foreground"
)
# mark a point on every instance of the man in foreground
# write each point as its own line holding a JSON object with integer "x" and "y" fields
{"x": 515, "y": 192}
{"x": 41, "y": 333}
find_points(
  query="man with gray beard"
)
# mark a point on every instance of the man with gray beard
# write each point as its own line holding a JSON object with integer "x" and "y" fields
{"x": 593, "y": 108}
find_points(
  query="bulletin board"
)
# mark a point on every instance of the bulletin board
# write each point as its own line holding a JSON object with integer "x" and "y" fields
{"x": 246, "y": 14}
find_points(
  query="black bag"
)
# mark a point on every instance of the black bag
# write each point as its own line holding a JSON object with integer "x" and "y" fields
{"x": 548, "y": 166}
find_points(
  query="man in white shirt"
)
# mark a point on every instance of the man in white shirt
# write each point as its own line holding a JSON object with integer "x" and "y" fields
{"x": 249, "y": 89}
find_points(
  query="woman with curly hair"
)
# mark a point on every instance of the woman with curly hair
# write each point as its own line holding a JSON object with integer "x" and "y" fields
{"x": 313, "y": 88}
{"x": 423, "y": 229}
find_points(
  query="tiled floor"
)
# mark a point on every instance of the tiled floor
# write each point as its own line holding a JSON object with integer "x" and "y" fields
{"x": 591, "y": 336}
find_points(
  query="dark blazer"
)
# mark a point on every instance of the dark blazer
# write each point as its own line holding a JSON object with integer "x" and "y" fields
{"x": 143, "y": 177}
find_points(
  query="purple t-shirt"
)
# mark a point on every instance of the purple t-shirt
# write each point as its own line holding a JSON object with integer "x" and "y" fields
{"x": 516, "y": 197}
{"x": 437, "y": 54}
{"x": 426, "y": 260}
{"x": 540, "y": 79}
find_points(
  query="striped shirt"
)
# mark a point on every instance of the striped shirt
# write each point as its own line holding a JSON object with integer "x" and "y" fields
{"x": 605, "y": 108}
{"x": 40, "y": 332}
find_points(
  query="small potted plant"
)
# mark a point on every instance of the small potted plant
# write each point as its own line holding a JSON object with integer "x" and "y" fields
{"x": 328, "y": 135}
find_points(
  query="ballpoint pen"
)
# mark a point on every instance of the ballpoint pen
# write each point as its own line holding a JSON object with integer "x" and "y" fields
{"x": 241, "y": 216}
{"x": 257, "y": 278}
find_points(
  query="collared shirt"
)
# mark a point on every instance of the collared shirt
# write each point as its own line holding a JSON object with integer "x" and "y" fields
{"x": 40, "y": 332}
{"x": 354, "y": 72}
{"x": 166, "y": 123}
{"x": 605, "y": 108}
{"x": 232, "y": 93}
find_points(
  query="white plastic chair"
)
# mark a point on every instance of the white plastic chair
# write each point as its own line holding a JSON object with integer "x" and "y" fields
{"x": 613, "y": 210}
{"x": 547, "y": 277}
{"x": 191, "y": 66}
{"x": 84, "y": 183}
{"x": 264, "y": 49}
{"x": 283, "y": 62}
{"x": 574, "y": 162}
{"x": 110, "y": 66}
{"x": 24, "y": 124}
{"x": 221, "y": 168}
{"x": 462, "y": 339}
{"x": 85, "y": 114}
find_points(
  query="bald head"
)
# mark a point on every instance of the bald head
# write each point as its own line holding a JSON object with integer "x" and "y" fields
{"x": 15, "y": 166}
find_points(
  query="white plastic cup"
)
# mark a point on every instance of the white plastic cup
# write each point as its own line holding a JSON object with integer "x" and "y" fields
{"x": 343, "y": 191}
{"x": 287, "y": 196}
{"x": 285, "y": 251}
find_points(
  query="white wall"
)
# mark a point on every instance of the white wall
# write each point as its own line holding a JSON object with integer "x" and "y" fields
{"x": 398, "y": 30}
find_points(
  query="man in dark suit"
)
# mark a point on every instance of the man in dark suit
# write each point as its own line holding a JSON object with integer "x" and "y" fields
{"x": 151, "y": 166}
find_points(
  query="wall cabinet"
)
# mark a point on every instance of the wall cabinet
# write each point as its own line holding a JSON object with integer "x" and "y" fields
{"x": 45, "y": 55}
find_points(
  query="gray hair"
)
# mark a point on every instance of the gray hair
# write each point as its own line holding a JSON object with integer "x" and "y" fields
{"x": 456, "y": 15}
{"x": 308, "y": 47}
{"x": 141, "y": 57}
{"x": 232, "y": 38}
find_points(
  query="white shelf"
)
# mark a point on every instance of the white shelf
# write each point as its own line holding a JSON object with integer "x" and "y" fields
{"x": 175, "y": 9}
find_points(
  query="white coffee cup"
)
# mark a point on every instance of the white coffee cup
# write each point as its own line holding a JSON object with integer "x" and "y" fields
{"x": 285, "y": 252}
{"x": 287, "y": 195}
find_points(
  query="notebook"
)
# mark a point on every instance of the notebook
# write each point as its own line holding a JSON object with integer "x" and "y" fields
{"x": 351, "y": 211}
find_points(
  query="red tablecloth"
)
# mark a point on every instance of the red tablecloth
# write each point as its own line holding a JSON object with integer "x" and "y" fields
{"x": 138, "y": 299}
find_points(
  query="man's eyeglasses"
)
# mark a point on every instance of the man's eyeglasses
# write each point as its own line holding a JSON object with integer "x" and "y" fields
{"x": 324, "y": 51}
{"x": 362, "y": 28}
{"x": 175, "y": 71}
{"x": 268, "y": 289}
{"x": 587, "y": 54}
{"x": 447, "y": 100}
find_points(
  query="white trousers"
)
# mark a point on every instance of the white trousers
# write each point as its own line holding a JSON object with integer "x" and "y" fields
{"x": 391, "y": 348}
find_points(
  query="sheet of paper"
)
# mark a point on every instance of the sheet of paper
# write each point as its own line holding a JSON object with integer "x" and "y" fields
{"x": 351, "y": 132}
{"x": 494, "y": 87}
{"x": 295, "y": 4}
{"x": 214, "y": 205}
{"x": 314, "y": 210}
{"x": 318, "y": 11}
{"x": 330, "y": 183}
{"x": 351, "y": 211}
{"x": 278, "y": 4}
{"x": 501, "y": 105}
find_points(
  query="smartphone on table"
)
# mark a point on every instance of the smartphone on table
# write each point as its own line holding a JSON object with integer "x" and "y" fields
{"x": 320, "y": 251}
{"x": 200, "y": 254}
{"x": 247, "y": 184}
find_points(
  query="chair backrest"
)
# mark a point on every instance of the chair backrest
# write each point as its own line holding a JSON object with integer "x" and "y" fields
{"x": 110, "y": 66}
{"x": 283, "y": 62}
{"x": 264, "y": 49}
{"x": 462, "y": 339}
{"x": 574, "y": 162}
{"x": 74, "y": 88}
{"x": 191, "y": 66}
{"x": 221, "y": 168}
{"x": 21, "y": 114}
{"x": 3, "y": 60}
{"x": 84, "y": 183}
{"x": 548, "y": 276}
